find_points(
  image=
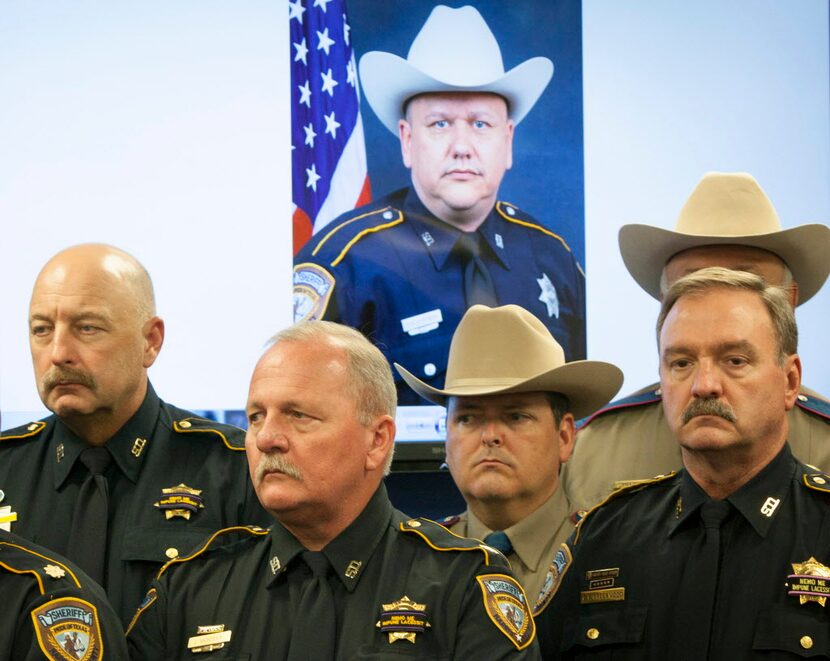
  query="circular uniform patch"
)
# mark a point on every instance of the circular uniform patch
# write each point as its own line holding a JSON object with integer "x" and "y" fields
{"x": 312, "y": 290}
{"x": 68, "y": 628}
{"x": 506, "y": 604}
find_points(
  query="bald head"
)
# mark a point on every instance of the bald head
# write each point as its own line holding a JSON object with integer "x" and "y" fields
{"x": 93, "y": 334}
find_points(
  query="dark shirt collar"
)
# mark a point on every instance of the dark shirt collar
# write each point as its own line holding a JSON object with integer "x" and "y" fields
{"x": 759, "y": 501}
{"x": 440, "y": 238}
{"x": 348, "y": 553}
{"x": 128, "y": 446}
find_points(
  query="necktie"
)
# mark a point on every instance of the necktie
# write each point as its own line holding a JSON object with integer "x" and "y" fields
{"x": 478, "y": 285}
{"x": 315, "y": 622}
{"x": 499, "y": 540}
{"x": 88, "y": 538}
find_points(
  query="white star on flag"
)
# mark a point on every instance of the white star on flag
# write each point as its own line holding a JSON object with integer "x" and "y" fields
{"x": 351, "y": 73}
{"x": 305, "y": 94}
{"x": 328, "y": 82}
{"x": 324, "y": 42}
{"x": 322, "y": 4}
{"x": 309, "y": 135}
{"x": 311, "y": 182}
{"x": 302, "y": 52}
{"x": 295, "y": 10}
{"x": 331, "y": 124}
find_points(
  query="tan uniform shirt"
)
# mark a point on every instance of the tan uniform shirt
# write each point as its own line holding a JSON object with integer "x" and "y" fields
{"x": 535, "y": 540}
{"x": 635, "y": 443}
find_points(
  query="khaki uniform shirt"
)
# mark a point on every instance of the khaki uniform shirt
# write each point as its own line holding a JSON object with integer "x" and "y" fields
{"x": 535, "y": 539}
{"x": 631, "y": 440}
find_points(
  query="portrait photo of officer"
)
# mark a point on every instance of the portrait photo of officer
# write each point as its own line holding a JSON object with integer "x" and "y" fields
{"x": 404, "y": 268}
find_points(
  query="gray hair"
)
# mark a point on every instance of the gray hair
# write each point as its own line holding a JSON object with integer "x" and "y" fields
{"x": 775, "y": 299}
{"x": 368, "y": 372}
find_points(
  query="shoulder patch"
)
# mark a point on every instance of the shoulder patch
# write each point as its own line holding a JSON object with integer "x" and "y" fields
{"x": 506, "y": 605}
{"x": 313, "y": 286}
{"x": 817, "y": 481}
{"x": 68, "y": 628}
{"x": 649, "y": 395}
{"x": 195, "y": 424}
{"x": 148, "y": 601}
{"x": 30, "y": 430}
{"x": 336, "y": 242}
{"x": 48, "y": 572}
{"x": 251, "y": 531}
{"x": 439, "y": 538}
{"x": 635, "y": 485}
{"x": 553, "y": 577}
{"x": 812, "y": 404}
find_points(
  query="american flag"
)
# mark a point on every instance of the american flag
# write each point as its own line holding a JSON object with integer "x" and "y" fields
{"x": 328, "y": 159}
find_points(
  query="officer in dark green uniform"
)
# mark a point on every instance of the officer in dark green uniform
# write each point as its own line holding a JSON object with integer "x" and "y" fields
{"x": 51, "y": 609}
{"x": 117, "y": 480}
{"x": 341, "y": 574}
{"x": 730, "y": 558}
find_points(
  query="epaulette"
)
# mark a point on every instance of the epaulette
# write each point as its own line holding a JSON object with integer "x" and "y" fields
{"x": 813, "y": 403}
{"x": 513, "y": 214}
{"x": 817, "y": 480}
{"x": 448, "y": 521}
{"x": 49, "y": 573}
{"x": 193, "y": 424}
{"x": 29, "y": 430}
{"x": 636, "y": 485}
{"x": 648, "y": 395}
{"x": 337, "y": 241}
{"x": 252, "y": 531}
{"x": 439, "y": 538}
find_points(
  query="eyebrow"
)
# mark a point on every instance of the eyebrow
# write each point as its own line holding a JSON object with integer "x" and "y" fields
{"x": 724, "y": 347}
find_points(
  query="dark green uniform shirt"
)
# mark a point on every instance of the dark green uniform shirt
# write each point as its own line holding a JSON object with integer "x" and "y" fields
{"x": 52, "y": 610}
{"x": 160, "y": 447}
{"x": 637, "y": 586}
{"x": 474, "y": 608}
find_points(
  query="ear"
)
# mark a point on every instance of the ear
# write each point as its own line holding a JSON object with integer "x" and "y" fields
{"x": 792, "y": 292}
{"x": 567, "y": 436}
{"x": 153, "y": 332}
{"x": 405, "y": 134}
{"x": 510, "y": 127}
{"x": 381, "y": 442}
{"x": 792, "y": 373}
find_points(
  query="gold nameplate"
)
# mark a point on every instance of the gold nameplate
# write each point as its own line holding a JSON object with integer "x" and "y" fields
{"x": 208, "y": 642}
{"x": 601, "y": 596}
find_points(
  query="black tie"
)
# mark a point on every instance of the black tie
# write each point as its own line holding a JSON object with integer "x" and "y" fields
{"x": 88, "y": 538}
{"x": 315, "y": 622}
{"x": 478, "y": 285}
{"x": 499, "y": 540}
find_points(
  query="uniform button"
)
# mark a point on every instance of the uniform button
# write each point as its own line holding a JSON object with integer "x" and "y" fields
{"x": 32, "y": 426}
{"x": 387, "y": 215}
{"x": 806, "y": 642}
{"x": 510, "y": 211}
{"x": 819, "y": 480}
{"x": 658, "y": 392}
{"x": 172, "y": 553}
{"x": 185, "y": 424}
{"x": 429, "y": 369}
{"x": 412, "y": 523}
{"x": 802, "y": 398}
{"x": 592, "y": 633}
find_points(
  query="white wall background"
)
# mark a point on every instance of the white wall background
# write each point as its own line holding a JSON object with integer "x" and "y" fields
{"x": 163, "y": 128}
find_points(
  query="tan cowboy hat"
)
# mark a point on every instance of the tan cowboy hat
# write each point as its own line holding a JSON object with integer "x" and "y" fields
{"x": 728, "y": 208}
{"x": 507, "y": 349}
{"x": 455, "y": 51}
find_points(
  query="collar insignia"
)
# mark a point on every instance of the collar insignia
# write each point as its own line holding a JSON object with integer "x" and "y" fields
{"x": 68, "y": 628}
{"x": 275, "y": 564}
{"x": 7, "y": 517}
{"x": 138, "y": 446}
{"x": 499, "y": 241}
{"x": 403, "y": 620}
{"x": 59, "y": 453}
{"x": 181, "y": 501}
{"x": 811, "y": 582}
{"x": 602, "y": 586}
{"x": 426, "y": 237}
{"x": 507, "y": 608}
{"x": 208, "y": 638}
{"x": 353, "y": 569}
{"x": 54, "y": 571}
{"x": 548, "y": 295}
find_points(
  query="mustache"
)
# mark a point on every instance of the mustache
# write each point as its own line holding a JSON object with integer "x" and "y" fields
{"x": 709, "y": 407}
{"x": 57, "y": 375}
{"x": 276, "y": 463}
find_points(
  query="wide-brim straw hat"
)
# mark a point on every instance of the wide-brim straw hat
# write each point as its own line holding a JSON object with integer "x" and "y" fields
{"x": 728, "y": 209}
{"x": 455, "y": 51}
{"x": 508, "y": 350}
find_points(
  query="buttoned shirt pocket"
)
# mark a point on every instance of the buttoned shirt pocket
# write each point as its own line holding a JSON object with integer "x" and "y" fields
{"x": 154, "y": 544}
{"x": 798, "y": 629}
{"x": 617, "y": 630}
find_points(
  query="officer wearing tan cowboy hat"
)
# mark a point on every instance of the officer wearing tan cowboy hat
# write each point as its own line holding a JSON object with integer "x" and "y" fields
{"x": 727, "y": 221}
{"x": 511, "y": 403}
{"x": 406, "y": 267}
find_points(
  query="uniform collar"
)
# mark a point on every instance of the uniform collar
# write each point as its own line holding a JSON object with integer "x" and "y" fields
{"x": 440, "y": 238}
{"x": 759, "y": 501}
{"x": 127, "y": 446}
{"x": 528, "y": 543}
{"x": 348, "y": 553}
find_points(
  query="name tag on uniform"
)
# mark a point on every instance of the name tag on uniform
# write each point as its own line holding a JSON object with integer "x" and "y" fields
{"x": 422, "y": 323}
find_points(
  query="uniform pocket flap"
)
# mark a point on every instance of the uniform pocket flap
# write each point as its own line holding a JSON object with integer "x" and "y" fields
{"x": 798, "y": 629}
{"x": 159, "y": 545}
{"x": 606, "y": 625}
